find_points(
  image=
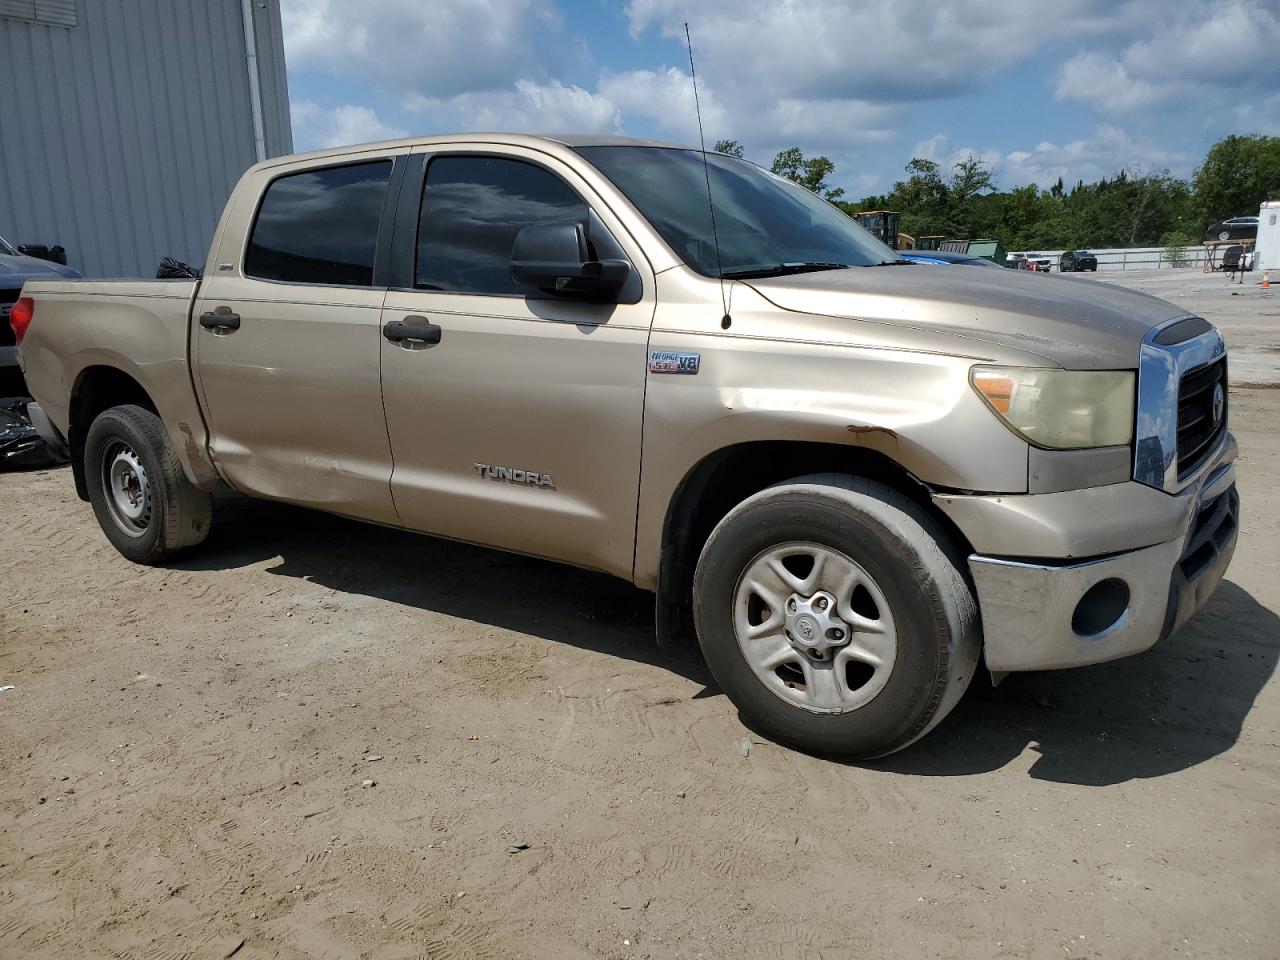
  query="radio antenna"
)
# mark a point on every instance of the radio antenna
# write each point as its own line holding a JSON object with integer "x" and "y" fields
{"x": 706, "y": 172}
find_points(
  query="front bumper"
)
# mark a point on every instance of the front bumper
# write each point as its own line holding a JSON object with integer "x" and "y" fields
{"x": 1068, "y": 579}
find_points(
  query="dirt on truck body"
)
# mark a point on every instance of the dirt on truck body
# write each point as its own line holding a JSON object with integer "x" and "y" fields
{"x": 858, "y": 479}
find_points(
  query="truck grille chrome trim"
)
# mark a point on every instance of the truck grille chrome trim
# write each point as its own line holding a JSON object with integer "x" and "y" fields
{"x": 1182, "y": 416}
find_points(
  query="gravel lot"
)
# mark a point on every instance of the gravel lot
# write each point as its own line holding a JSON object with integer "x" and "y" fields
{"x": 322, "y": 739}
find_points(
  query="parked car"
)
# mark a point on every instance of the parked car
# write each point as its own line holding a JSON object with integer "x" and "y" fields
{"x": 1029, "y": 261}
{"x": 1237, "y": 228}
{"x": 484, "y": 338}
{"x": 15, "y": 270}
{"x": 1075, "y": 261}
{"x": 944, "y": 258}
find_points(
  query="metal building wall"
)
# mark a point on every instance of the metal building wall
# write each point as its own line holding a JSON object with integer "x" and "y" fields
{"x": 121, "y": 137}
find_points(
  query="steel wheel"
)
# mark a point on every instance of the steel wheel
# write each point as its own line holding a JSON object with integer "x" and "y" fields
{"x": 815, "y": 627}
{"x": 126, "y": 487}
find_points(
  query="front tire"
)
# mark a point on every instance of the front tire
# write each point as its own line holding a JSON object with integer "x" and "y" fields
{"x": 140, "y": 494}
{"x": 836, "y": 615}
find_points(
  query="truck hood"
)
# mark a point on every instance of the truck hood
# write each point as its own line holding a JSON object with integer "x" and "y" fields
{"x": 1080, "y": 324}
{"x": 15, "y": 271}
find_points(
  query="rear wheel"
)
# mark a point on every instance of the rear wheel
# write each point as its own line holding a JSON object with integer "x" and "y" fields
{"x": 836, "y": 615}
{"x": 143, "y": 500}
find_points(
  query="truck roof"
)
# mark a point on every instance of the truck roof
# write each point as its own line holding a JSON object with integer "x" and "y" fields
{"x": 570, "y": 140}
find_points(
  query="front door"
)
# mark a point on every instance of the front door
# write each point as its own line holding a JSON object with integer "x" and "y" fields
{"x": 287, "y": 341}
{"x": 514, "y": 417}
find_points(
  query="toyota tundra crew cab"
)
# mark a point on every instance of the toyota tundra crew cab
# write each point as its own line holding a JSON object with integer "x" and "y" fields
{"x": 856, "y": 479}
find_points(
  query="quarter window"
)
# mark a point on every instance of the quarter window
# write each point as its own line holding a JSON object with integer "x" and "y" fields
{"x": 472, "y": 209}
{"x": 320, "y": 226}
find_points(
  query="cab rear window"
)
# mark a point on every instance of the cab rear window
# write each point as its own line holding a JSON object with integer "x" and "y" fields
{"x": 320, "y": 226}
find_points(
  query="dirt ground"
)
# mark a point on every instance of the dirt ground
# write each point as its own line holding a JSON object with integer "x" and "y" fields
{"x": 316, "y": 738}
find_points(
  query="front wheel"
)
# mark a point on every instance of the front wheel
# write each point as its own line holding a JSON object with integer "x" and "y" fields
{"x": 143, "y": 500}
{"x": 836, "y": 615}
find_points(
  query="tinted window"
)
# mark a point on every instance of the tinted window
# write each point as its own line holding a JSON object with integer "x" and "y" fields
{"x": 472, "y": 209}
{"x": 762, "y": 221}
{"x": 320, "y": 226}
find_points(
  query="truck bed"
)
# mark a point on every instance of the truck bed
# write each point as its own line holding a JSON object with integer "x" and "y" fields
{"x": 86, "y": 328}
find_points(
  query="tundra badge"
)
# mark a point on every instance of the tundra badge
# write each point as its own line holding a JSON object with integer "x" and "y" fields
{"x": 511, "y": 475}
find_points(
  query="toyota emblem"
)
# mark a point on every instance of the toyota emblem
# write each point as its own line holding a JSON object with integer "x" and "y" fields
{"x": 1219, "y": 403}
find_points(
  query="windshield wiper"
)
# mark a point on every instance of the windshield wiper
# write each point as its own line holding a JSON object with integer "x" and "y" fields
{"x": 782, "y": 270}
{"x": 894, "y": 263}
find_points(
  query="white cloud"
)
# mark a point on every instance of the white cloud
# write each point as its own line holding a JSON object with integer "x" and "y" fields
{"x": 1258, "y": 115}
{"x": 1206, "y": 55}
{"x": 665, "y": 98}
{"x": 939, "y": 149}
{"x": 546, "y": 108}
{"x": 829, "y": 76}
{"x": 438, "y": 47}
{"x": 877, "y": 50}
{"x": 1104, "y": 154}
{"x": 865, "y": 183}
{"x": 316, "y": 127}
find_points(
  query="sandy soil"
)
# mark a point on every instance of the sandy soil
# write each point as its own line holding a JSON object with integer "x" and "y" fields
{"x": 186, "y": 758}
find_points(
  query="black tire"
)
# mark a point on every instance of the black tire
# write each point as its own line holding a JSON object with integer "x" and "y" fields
{"x": 176, "y": 515}
{"x": 920, "y": 573}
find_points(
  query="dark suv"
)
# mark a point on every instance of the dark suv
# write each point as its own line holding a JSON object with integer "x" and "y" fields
{"x": 1073, "y": 261}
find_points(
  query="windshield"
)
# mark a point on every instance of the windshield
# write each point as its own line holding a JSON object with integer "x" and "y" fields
{"x": 6, "y": 250}
{"x": 765, "y": 223}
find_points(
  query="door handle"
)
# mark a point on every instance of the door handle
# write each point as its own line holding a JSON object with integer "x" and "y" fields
{"x": 412, "y": 329}
{"x": 220, "y": 322}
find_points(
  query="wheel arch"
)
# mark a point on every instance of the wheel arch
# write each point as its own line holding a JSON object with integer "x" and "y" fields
{"x": 98, "y": 388}
{"x": 724, "y": 478}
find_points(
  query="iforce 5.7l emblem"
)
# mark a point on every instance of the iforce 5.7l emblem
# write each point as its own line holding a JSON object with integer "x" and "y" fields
{"x": 664, "y": 361}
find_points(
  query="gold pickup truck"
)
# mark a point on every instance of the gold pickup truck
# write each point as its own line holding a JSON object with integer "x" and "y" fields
{"x": 856, "y": 478}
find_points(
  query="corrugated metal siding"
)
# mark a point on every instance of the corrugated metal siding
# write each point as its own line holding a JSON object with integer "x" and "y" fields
{"x": 128, "y": 131}
{"x": 61, "y": 13}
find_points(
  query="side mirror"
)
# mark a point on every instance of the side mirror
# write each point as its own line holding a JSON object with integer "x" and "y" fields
{"x": 556, "y": 258}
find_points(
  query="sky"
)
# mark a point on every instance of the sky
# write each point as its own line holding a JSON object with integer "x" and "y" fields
{"x": 1038, "y": 90}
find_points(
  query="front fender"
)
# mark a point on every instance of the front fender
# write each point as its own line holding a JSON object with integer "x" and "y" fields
{"x": 915, "y": 408}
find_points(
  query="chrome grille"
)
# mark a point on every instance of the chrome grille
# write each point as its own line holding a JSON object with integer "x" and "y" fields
{"x": 1202, "y": 414}
{"x": 1182, "y": 376}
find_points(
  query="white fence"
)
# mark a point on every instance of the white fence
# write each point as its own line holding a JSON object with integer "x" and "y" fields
{"x": 1138, "y": 258}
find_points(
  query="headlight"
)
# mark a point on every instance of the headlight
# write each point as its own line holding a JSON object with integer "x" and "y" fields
{"x": 1061, "y": 409}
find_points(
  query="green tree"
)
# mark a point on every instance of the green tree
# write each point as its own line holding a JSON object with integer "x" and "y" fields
{"x": 1238, "y": 174}
{"x": 810, "y": 172}
{"x": 1175, "y": 245}
{"x": 730, "y": 148}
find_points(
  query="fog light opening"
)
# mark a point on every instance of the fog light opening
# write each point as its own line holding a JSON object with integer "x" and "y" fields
{"x": 1100, "y": 608}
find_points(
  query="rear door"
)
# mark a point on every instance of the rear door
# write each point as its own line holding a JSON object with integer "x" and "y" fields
{"x": 286, "y": 339}
{"x": 520, "y": 427}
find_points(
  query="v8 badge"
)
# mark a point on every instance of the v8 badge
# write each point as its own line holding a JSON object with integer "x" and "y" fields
{"x": 664, "y": 361}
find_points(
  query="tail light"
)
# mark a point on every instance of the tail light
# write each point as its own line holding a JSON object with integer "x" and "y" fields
{"x": 20, "y": 317}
